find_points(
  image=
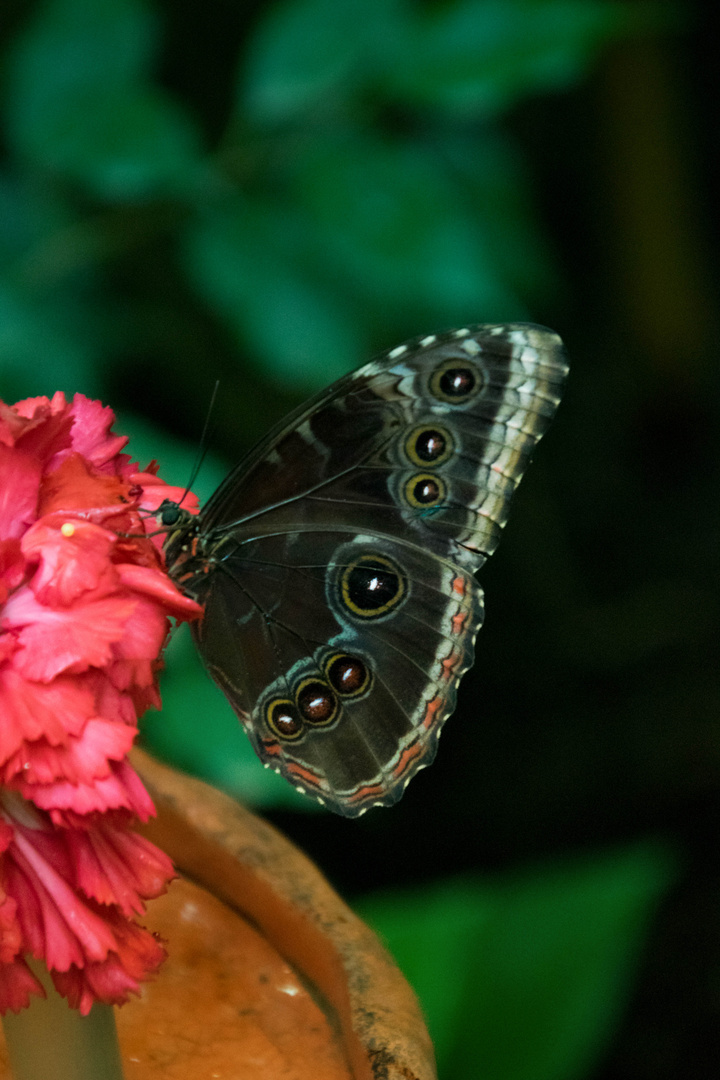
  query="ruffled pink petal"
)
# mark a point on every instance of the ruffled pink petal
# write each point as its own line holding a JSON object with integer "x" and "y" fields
{"x": 29, "y": 909}
{"x": 8, "y": 645}
{"x": 10, "y": 937}
{"x": 83, "y": 758}
{"x": 116, "y": 866}
{"x": 121, "y": 790}
{"x": 111, "y": 702}
{"x": 17, "y": 984}
{"x": 50, "y": 845}
{"x": 6, "y": 835}
{"x": 145, "y": 692}
{"x": 12, "y": 424}
{"x": 120, "y": 974}
{"x": 41, "y": 408}
{"x": 19, "y": 492}
{"x": 73, "y": 559}
{"x": 32, "y": 711}
{"x": 158, "y": 587}
{"x": 73, "y": 933}
{"x": 47, "y": 430}
{"x": 145, "y": 631}
{"x": 65, "y": 640}
{"x": 132, "y": 675}
{"x": 91, "y": 434}
{"x": 12, "y": 567}
{"x": 76, "y": 486}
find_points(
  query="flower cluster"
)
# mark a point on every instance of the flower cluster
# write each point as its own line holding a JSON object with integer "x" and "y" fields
{"x": 84, "y": 606}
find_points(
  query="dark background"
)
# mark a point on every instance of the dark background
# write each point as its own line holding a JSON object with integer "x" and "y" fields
{"x": 572, "y": 179}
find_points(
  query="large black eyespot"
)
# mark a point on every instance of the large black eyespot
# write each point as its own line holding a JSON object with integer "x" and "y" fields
{"x": 316, "y": 702}
{"x": 429, "y": 445}
{"x": 456, "y": 381}
{"x": 282, "y": 719}
{"x": 423, "y": 490}
{"x": 349, "y": 676}
{"x": 371, "y": 586}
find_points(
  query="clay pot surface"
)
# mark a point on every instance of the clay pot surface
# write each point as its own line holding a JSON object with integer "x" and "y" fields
{"x": 270, "y": 975}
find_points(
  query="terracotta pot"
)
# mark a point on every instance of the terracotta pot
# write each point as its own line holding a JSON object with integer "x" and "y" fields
{"x": 303, "y": 987}
{"x": 270, "y": 974}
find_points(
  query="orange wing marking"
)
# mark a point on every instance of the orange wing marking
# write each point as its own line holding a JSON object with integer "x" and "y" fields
{"x": 459, "y": 586}
{"x": 367, "y": 792}
{"x": 304, "y": 775}
{"x": 433, "y": 708}
{"x": 449, "y": 665}
{"x": 406, "y": 758}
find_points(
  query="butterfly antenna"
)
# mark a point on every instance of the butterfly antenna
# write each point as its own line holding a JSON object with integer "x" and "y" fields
{"x": 204, "y": 444}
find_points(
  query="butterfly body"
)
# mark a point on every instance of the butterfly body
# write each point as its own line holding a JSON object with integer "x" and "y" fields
{"x": 336, "y": 563}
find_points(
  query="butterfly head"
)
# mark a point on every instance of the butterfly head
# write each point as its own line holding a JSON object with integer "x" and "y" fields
{"x": 169, "y": 514}
{"x": 181, "y": 540}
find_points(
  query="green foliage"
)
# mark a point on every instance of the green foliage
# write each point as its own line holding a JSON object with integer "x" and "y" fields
{"x": 81, "y": 104}
{"x": 524, "y": 977}
{"x": 364, "y": 187}
{"x": 472, "y": 61}
{"x": 464, "y": 59}
{"x": 258, "y": 264}
{"x": 309, "y": 54}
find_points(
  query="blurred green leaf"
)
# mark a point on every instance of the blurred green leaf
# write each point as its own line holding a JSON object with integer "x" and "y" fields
{"x": 311, "y": 54}
{"x": 485, "y": 166}
{"x": 42, "y": 348}
{"x": 25, "y": 216}
{"x": 390, "y": 216}
{"x": 72, "y": 44}
{"x": 57, "y": 328}
{"x": 523, "y": 977}
{"x": 477, "y": 57}
{"x": 79, "y": 103}
{"x": 123, "y": 143}
{"x": 470, "y": 57}
{"x": 257, "y": 265}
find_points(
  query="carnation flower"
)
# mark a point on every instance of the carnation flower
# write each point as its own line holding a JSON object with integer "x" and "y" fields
{"x": 84, "y": 607}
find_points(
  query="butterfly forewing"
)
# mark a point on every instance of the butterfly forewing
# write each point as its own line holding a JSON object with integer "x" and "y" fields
{"x": 335, "y": 563}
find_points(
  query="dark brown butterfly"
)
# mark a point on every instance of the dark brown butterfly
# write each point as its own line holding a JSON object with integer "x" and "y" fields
{"x": 335, "y": 563}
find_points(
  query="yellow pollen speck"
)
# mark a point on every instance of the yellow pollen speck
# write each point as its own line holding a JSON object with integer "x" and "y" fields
{"x": 68, "y": 529}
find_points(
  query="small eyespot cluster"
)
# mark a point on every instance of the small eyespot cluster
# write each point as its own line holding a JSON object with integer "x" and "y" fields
{"x": 454, "y": 381}
{"x": 317, "y": 699}
{"x": 426, "y": 446}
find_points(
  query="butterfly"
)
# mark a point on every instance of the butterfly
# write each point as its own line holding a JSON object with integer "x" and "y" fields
{"x": 336, "y": 562}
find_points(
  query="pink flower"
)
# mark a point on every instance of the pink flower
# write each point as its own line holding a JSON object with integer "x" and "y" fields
{"x": 84, "y": 607}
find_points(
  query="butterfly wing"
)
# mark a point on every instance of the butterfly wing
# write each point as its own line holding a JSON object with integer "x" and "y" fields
{"x": 336, "y": 563}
